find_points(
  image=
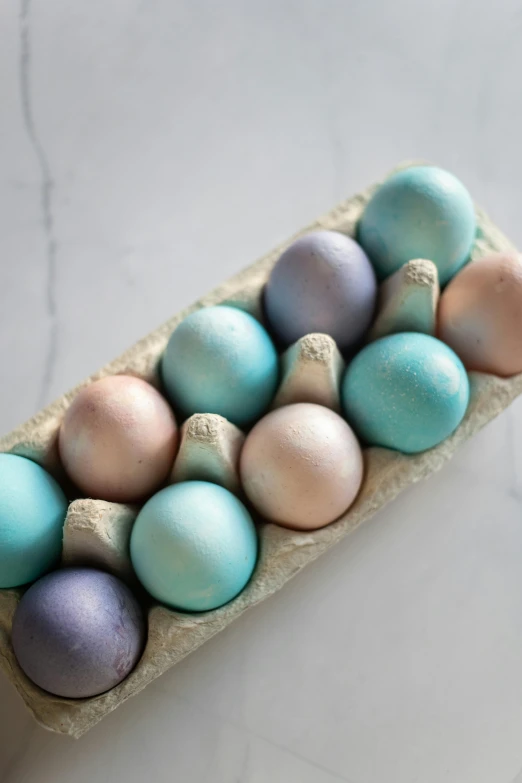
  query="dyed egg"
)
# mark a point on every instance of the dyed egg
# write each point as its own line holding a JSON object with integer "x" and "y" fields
{"x": 406, "y": 392}
{"x": 301, "y": 466}
{"x": 480, "y": 314}
{"x": 118, "y": 439}
{"x": 221, "y": 360}
{"x": 78, "y": 632}
{"x": 324, "y": 283}
{"x": 420, "y": 212}
{"x": 194, "y": 546}
{"x": 32, "y": 513}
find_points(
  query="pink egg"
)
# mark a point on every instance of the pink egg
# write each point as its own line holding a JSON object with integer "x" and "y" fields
{"x": 118, "y": 439}
{"x": 480, "y": 314}
{"x": 301, "y": 466}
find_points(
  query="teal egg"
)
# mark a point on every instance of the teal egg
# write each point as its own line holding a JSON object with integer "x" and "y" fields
{"x": 420, "y": 212}
{"x": 32, "y": 513}
{"x": 406, "y": 392}
{"x": 194, "y": 546}
{"x": 221, "y": 360}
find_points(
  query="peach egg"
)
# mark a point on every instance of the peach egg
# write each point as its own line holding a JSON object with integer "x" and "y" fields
{"x": 118, "y": 439}
{"x": 480, "y": 314}
{"x": 301, "y": 466}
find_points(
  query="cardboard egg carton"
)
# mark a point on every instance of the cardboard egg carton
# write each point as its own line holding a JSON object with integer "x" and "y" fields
{"x": 97, "y": 532}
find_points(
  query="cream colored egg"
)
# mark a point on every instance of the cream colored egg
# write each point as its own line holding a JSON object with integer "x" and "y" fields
{"x": 118, "y": 439}
{"x": 480, "y": 314}
{"x": 301, "y": 466}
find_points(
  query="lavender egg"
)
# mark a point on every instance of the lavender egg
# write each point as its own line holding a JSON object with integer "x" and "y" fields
{"x": 301, "y": 466}
{"x": 118, "y": 439}
{"x": 78, "y": 632}
{"x": 324, "y": 282}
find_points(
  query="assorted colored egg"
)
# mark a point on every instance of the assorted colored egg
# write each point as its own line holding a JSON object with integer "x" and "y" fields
{"x": 419, "y": 212}
{"x": 406, "y": 392}
{"x": 32, "y": 513}
{"x": 301, "y": 466}
{"x": 323, "y": 283}
{"x": 221, "y": 360}
{"x": 78, "y": 632}
{"x": 480, "y": 314}
{"x": 194, "y": 546}
{"x": 118, "y": 439}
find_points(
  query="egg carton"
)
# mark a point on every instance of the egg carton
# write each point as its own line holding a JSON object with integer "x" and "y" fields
{"x": 97, "y": 532}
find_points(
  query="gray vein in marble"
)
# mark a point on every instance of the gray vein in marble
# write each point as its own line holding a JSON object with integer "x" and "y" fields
{"x": 46, "y": 197}
{"x": 518, "y": 777}
{"x": 250, "y": 733}
{"x": 245, "y": 763}
{"x": 304, "y": 759}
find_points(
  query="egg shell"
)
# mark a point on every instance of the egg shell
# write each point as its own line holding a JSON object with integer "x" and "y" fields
{"x": 78, "y": 632}
{"x": 32, "y": 513}
{"x": 221, "y": 360}
{"x": 420, "y": 212}
{"x": 323, "y": 283}
{"x": 194, "y": 546}
{"x": 118, "y": 439}
{"x": 480, "y": 314}
{"x": 301, "y": 466}
{"x": 406, "y": 392}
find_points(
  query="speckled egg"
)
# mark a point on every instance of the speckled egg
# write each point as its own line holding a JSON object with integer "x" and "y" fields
{"x": 118, "y": 439}
{"x": 32, "y": 512}
{"x": 420, "y": 212}
{"x": 78, "y": 632}
{"x": 324, "y": 283}
{"x": 221, "y": 360}
{"x": 480, "y": 314}
{"x": 194, "y": 546}
{"x": 301, "y": 466}
{"x": 406, "y": 392}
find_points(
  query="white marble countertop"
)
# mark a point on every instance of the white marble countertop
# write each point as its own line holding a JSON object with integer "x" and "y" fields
{"x": 149, "y": 149}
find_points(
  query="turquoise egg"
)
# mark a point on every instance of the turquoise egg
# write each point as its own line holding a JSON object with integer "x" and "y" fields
{"x": 221, "y": 360}
{"x": 406, "y": 392}
{"x": 194, "y": 546}
{"x": 32, "y": 513}
{"x": 420, "y": 212}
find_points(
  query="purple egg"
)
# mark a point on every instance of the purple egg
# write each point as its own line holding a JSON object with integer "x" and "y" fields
{"x": 324, "y": 282}
{"x": 78, "y": 632}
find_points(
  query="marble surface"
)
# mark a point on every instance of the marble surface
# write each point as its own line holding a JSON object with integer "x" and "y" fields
{"x": 151, "y": 148}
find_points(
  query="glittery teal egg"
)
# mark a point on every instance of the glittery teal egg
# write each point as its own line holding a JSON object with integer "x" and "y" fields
{"x": 420, "y": 212}
{"x": 221, "y": 360}
{"x": 406, "y": 392}
{"x": 32, "y": 512}
{"x": 194, "y": 546}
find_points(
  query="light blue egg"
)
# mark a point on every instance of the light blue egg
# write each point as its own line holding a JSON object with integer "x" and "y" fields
{"x": 221, "y": 360}
{"x": 32, "y": 513}
{"x": 406, "y": 392}
{"x": 194, "y": 546}
{"x": 420, "y": 212}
